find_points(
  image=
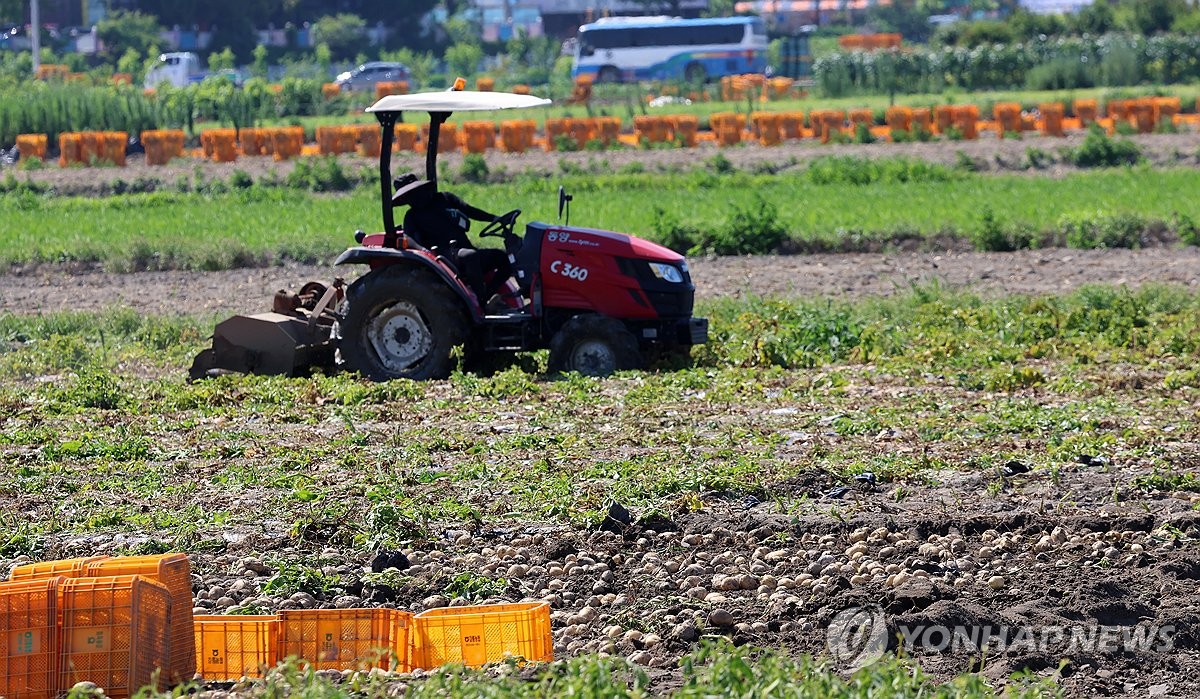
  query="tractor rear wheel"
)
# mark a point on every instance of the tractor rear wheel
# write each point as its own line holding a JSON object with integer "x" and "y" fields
{"x": 593, "y": 345}
{"x": 401, "y": 324}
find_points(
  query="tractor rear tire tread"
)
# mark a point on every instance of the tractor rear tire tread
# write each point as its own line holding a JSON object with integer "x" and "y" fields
{"x": 440, "y": 307}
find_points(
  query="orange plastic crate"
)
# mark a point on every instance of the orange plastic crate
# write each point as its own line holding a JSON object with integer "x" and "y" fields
{"x": 114, "y": 633}
{"x": 231, "y": 647}
{"x": 29, "y": 627}
{"x": 69, "y": 568}
{"x": 346, "y": 639}
{"x": 482, "y": 634}
{"x": 174, "y": 571}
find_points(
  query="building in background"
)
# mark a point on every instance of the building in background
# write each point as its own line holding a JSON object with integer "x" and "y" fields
{"x": 563, "y": 19}
{"x": 1055, "y": 7}
{"x": 789, "y": 15}
{"x": 501, "y": 20}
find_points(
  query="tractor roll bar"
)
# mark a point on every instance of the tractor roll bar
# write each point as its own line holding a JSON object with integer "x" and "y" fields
{"x": 387, "y": 121}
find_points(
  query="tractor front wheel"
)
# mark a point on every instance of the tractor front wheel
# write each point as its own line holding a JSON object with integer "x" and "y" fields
{"x": 401, "y": 324}
{"x": 593, "y": 345}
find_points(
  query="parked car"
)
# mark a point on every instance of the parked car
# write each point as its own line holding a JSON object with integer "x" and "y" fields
{"x": 367, "y": 75}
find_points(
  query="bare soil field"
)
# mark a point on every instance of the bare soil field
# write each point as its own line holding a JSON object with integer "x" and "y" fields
{"x": 52, "y": 288}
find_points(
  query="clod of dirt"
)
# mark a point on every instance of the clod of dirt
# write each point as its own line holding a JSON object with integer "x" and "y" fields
{"x": 914, "y": 595}
{"x": 720, "y": 618}
{"x": 389, "y": 559}
{"x": 685, "y": 632}
{"x": 617, "y": 519}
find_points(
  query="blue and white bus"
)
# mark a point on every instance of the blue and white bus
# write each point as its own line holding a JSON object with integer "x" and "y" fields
{"x": 624, "y": 49}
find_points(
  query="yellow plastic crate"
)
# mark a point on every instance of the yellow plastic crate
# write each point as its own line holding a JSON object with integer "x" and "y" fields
{"x": 173, "y": 570}
{"x": 482, "y": 634}
{"x": 346, "y": 639}
{"x": 29, "y": 631}
{"x": 114, "y": 633}
{"x": 231, "y": 647}
{"x": 69, "y": 568}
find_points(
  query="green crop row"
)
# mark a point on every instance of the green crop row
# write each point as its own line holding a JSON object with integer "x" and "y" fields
{"x": 53, "y": 108}
{"x": 824, "y": 207}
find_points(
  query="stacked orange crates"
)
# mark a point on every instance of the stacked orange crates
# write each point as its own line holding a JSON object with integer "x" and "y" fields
{"x": 943, "y": 117}
{"x": 768, "y": 127}
{"x": 516, "y": 135}
{"x": 610, "y": 129}
{"x": 162, "y": 146}
{"x": 286, "y": 142}
{"x": 581, "y": 93}
{"x": 383, "y": 89}
{"x": 368, "y": 139}
{"x": 922, "y": 118}
{"x": 405, "y": 137}
{"x": 869, "y": 42}
{"x": 650, "y": 129}
{"x": 254, "y": 141}
{"x": 32, "y": 145}
{"x": 1166, "y": 108}
{"x": 1142, "y": 114}
{"x": 793, "y": 125}
{"x": 29, "y": 628}
{"x": 220, "y": 145}
{"x": 1008, "y": 117}
{"x": 173, "y": 571}
{"x": 447, "y": 137}
{"x": 478, "y": 136}
{"x": 1086, "y": 111}
{"x": 1052, "y": 118}
{"x": 966, "y": 118}
{"x": 477, "y": 635}
{"x": 684, "y": 129}
{"x": 728, "y": 127}
{"x": 899, "y": 118}
{"x": 861, "y": 116}
{"x": 825, "y": 123}
{"x": 231, "y": 647}
{"x": 779, "y": 87}
{"x": 582, "y": 131}
{"x": 92, "y": 147}
{"x": 114, "y": 633}
{"x": 554, "y": 128}
{"x": 346, "y": 639}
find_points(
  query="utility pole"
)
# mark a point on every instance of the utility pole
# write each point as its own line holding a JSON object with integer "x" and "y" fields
{"x": 35, "y": 18}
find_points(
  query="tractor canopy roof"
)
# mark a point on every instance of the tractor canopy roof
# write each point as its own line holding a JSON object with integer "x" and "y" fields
{"x": 457, "y": 101}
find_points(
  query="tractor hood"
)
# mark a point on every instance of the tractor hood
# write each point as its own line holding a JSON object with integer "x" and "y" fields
{"x": 620, "y": 244}
{"x": 457, "y": 101}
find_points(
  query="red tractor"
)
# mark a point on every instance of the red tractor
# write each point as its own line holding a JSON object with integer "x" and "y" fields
{"x": 599, "y": 301}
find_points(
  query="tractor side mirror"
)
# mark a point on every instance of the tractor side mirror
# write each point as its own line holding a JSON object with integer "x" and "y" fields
{"x": 564, "y": 202}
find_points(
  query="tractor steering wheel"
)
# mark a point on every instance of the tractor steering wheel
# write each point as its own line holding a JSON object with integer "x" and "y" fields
{"x": 502, "y": 226}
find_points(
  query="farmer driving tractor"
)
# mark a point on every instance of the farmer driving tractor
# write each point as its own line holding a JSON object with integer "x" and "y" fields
{"x": 440, "y": 221}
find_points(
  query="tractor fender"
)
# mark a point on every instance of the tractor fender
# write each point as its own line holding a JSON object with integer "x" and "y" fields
{"x": 379, "y": 258}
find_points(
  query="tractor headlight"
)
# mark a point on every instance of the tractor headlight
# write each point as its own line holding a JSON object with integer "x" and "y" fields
{"x": 666, "y": 272}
